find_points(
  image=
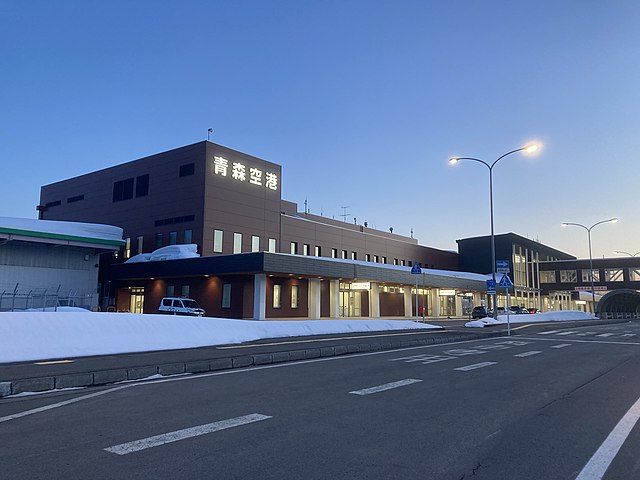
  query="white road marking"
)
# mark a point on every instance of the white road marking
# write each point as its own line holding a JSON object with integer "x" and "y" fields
{"x": 597, "y": 342}
{"x": 475, "y": 365}
{"x": 567, "y": 333}
{"x": 599, "y": 463}
{"x": 157, "y": 440}
{"x": 628, "y": 335}
{"x": 528, "y": 354}
{"x": 562, "y": 345}
{"x": 586, "y": 334}
{"x": 386, "y": 386}
{"x": 549, "y": 332}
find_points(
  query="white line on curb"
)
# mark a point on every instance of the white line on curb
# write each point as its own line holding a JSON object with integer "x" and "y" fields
{"x": 599, "y": 463}
{"x": 474, "y": 366}
{"x": 386, "y": 386}
{"x": 157, "y": 440}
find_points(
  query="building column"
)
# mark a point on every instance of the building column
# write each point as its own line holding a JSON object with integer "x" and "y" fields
{"x": 334, "y": 298}
{"x": 435, "y": 293}
{"x": 458, "y": 312}
{"x": 408, "y": 304}
{"x": 314, "y": 298}
{"x": 374, "y": 300}
{"x": 260, "y": 296}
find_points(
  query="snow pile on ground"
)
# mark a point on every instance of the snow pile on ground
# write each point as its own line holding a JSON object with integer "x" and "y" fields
{"x": 170, "y": 252}
{"x": 559, "y": 316}
{"x": 26, "y": 336}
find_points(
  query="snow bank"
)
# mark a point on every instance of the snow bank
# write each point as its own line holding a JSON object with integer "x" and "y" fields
{"x": 27, "y": 336}
{"x": 559, "y": 316}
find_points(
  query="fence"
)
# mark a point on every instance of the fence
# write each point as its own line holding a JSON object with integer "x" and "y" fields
{"x": 45, "y": 299}
{"x": 618, "y": 315}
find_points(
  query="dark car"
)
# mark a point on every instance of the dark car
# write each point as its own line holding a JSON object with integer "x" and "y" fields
{"x": 479, "y": 312}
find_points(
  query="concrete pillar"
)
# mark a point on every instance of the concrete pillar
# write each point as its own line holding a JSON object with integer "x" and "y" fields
{"x": 334, "y": 298}
{"x": 314, "y": 298}
{"x": 435, "y": 294}
{"x": 408, "y": 303}
{"x": 260, "y": 296}
{"x": 374, "y": 300}
{"x": 458, "y": 312}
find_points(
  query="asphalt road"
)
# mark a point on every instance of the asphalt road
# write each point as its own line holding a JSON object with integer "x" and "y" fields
{"x": 533, "y": 406}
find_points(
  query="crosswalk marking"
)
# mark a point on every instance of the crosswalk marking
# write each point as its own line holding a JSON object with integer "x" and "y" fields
{"x": 549, "y": 332}
{"x": 386, "y": 386}
{"x": 562, "y": 345}
{"x": 157, "y": 440}
{"x": 475, "y": 365}
{"x": 628, "y": 335}
{"x": 528, "y": 354}
{"x": 606, "y": 335}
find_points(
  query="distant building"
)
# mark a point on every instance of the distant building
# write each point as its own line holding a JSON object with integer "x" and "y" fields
{"x": 50, "y": 263}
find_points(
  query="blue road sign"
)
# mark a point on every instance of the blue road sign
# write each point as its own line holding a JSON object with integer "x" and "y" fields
{"x": 502, "y": 266}
{"x": 491, "y": 287}
{"x": 416, "y": 268}
{"x": 506, "y": 282}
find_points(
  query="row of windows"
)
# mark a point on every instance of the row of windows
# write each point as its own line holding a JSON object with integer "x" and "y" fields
{"x": 138, "y": 242}
{"x": 124, "y": 189}
{"x": 571, "y": 276}
{"x": 344, "y": 254}
{"x": 218, "y": 236}
{"x": 226, "y": 294}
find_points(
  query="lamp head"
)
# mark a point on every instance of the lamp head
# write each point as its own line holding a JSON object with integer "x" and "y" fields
{"x": 564, "y": 224}
{"x": 454, "y": 160}
{"x": 533, "y": 147}
{"x": 614, "y": 220}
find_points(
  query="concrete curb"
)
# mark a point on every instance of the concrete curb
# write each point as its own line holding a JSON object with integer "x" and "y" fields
{"x": 108, "y": 376}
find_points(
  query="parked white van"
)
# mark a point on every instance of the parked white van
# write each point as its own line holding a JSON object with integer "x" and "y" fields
{"x": 180, "y": 306}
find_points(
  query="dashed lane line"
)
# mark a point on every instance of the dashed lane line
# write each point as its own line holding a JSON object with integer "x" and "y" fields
{"x": 386, "y": 386}
{"x": 562, "y": 345}
{"x": 157, "y": 440}
{"x": 475, "y": 366}
{"x": 567, "y": 333}
{"x": 605, "y": 335}
{"x": 549, "y": 332}
{"x": 528, "y": 354}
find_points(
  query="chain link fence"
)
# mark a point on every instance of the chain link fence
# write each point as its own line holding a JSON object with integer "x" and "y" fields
{"x": 45, "y": 299}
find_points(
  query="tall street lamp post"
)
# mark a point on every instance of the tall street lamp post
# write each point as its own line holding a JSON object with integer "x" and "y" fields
{"x": 529, "y": 149}
{"x": 588, "y": 229}
{"x": 626, "y": 253}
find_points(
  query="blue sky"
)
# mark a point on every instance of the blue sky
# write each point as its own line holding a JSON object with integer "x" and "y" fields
{"x": 361, "y": 102}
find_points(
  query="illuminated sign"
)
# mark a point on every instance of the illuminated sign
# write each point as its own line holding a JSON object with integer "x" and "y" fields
{"x": 447, "y": 293}
{"x": 360, "y": 286}
{"x": 239, "y": 172}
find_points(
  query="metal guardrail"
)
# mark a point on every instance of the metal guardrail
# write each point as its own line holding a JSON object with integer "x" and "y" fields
{"x": 45, "y": 300}
{"x": 618, "y": 315}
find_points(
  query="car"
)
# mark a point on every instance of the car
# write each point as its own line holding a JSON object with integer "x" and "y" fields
{"x": 480, "y": 312}
{"x": 532, "y": 310}
{"x": 180, "y": 306}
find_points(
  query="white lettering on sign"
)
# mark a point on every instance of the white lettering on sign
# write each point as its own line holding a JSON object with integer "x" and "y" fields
{"x": 220, "y": 165}
{"x": 255, "y": 176}
{"x": 239, "y": 172}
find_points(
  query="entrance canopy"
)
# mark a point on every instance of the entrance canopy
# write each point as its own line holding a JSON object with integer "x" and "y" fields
{"x": 620, "y": 301}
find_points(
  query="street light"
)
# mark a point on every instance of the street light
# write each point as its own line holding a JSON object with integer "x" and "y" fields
{"x": 588, "y": 229}
{"x": 626, "y": 253}
{"x": 528, "y": 149}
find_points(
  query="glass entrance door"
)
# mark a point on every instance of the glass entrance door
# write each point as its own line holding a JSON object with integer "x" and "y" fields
{"x": 137, "y": 300}
{"x": 350, "y": 303}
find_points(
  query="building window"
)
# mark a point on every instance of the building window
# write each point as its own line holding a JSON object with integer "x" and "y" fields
{"x": 384, "y": 260}
{"x": 255, "y": 243}
{"x": 354, "y": 255}
{"x": 272, "y": 245}
{"x": 127, "y": 248}
{"x": 334, "y": 253}
{"x": 367, "y": 257}
{"x": 174, "y": 220}
{"x": 123, "y": 190}
{"x": 188, "y": 235}
{"x": 568, "y": 276}
{"x": 318, "y": 251}
{"x": 634, "y": 274}
{"x": 159, "y": 240}
{"x": 237, "y": 243}
{"x": 77, "y": 198}
{"x": 188, "y": 169}
{"x": 185, "y": 291}
{"x": 548, "y": 277}
{"x": 226, "y": 295}
{"x": 171, "y": 291}
{"x": 294, "y": 248}
{"x": 142, "y": 186}
{"x": 140, "y": 241}
{"x": 613, "y": 275}
{"x": 305, "y": 249}
{"x": 277, "y": 290}
{"x": 217, "y": 241}
{"x": 294, "y": 296}
{"x": 395, "y": 261}
{"x": 173, "y": 238}
{"x": 375, "y": 259}
{"x": 402, "y": 263}
{"x": 587, "y": 279}
{"x": 53, "y": 204}
{"x": 344, "y": 254}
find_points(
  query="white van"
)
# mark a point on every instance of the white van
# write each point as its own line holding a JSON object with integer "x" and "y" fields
{"x": 180, "y": 306}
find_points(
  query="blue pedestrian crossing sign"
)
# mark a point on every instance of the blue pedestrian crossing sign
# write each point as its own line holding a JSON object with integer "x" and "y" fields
{"x": 416, "y": 268}
{"x": 506, "y": 282}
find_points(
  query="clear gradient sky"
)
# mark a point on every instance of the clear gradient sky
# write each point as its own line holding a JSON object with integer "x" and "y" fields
{"x": 361, "y": 101}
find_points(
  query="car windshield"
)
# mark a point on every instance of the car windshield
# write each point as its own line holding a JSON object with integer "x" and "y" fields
{"x": 190, "y": 304}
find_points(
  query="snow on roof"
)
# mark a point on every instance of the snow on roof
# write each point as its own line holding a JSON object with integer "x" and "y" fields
{"x": 170, "y": 252}
{"x": 68, "y": 231}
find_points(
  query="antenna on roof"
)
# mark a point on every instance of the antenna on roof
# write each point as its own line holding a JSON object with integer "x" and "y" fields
{"x": 411, "y": 232}
{"x": 306, "y": 206}
{"x": 209, "y": 132}
{"x": 344, "y": 213}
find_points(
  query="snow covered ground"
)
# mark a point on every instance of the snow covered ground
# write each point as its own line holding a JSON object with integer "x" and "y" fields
{"x": 70, "y": 332}
{"x": 559, "y": 316}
